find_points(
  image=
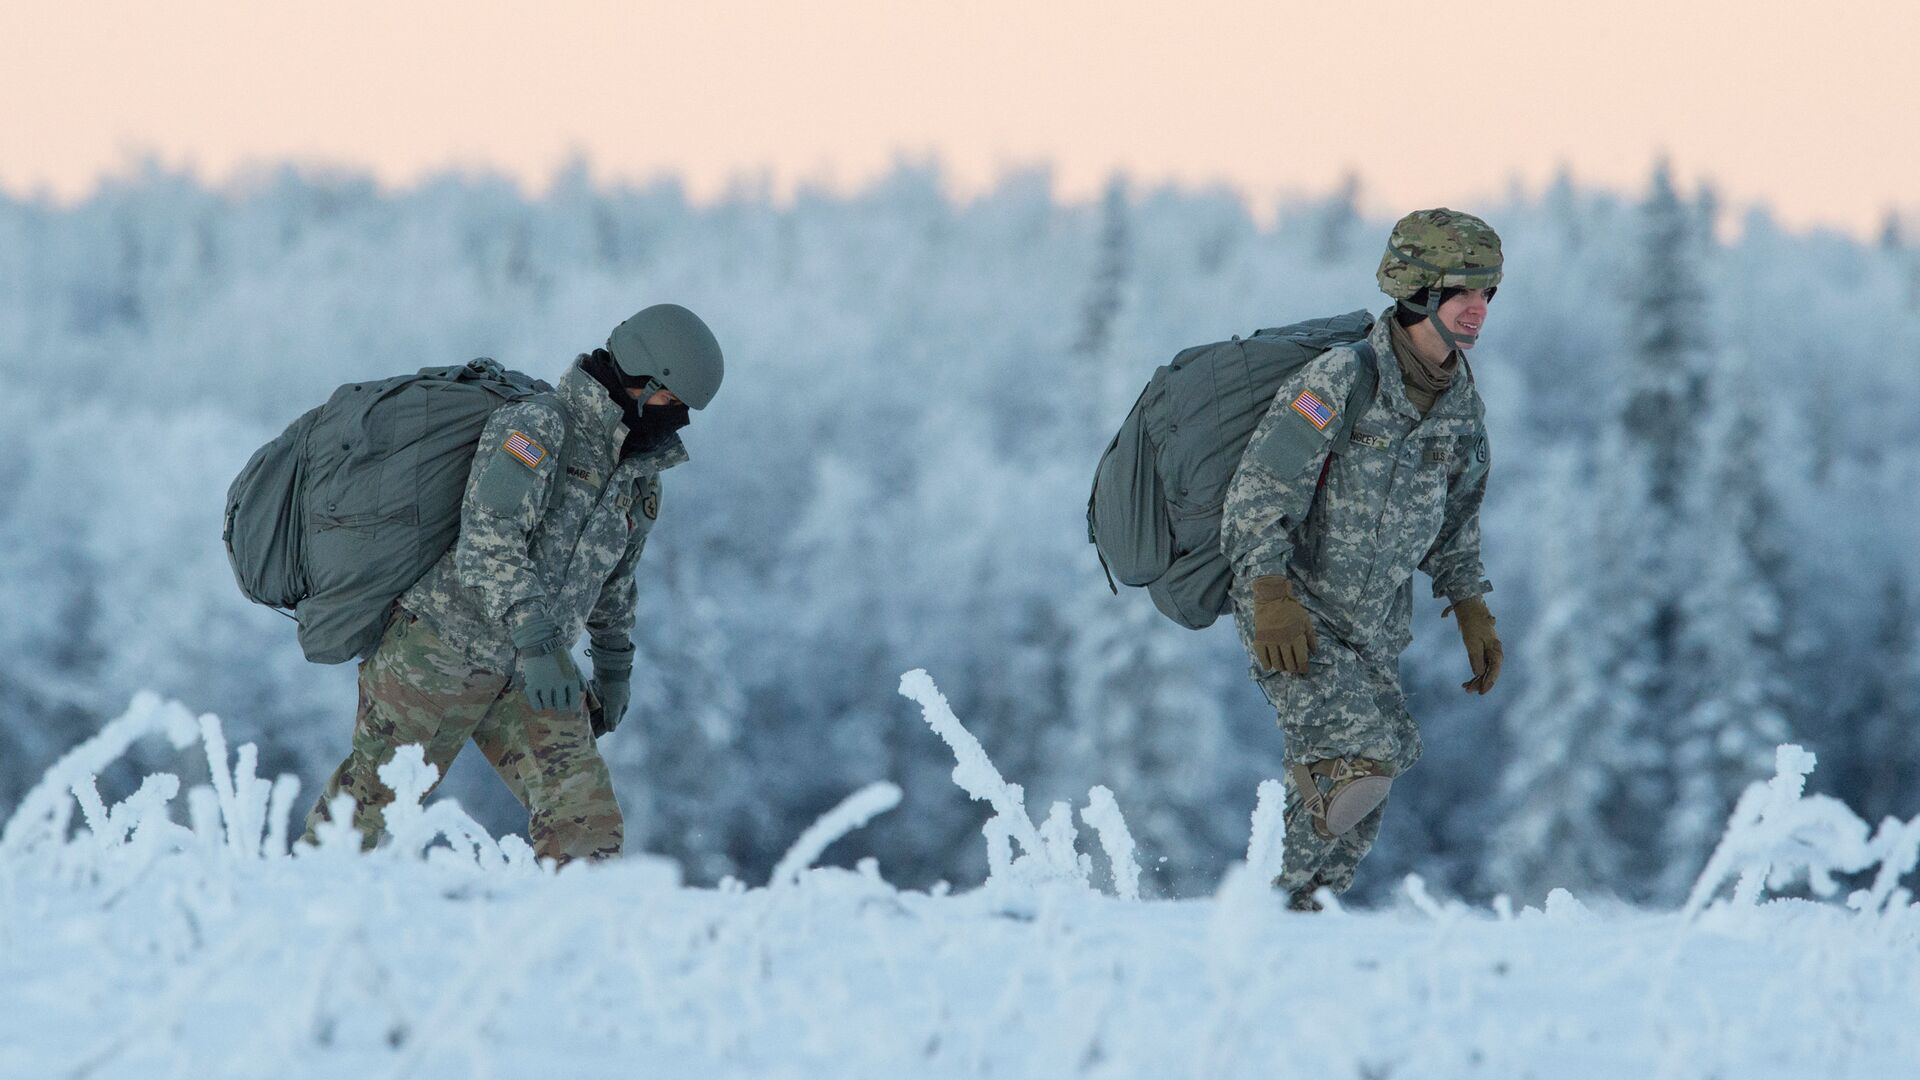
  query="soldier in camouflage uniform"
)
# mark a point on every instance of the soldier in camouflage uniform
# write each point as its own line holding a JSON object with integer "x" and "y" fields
{"x": 1324, "y": 539}
{"x": 558, "y": 506}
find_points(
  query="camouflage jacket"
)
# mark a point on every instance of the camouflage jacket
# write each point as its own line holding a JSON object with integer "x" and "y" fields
{"x": 553, "y": 523}
{"x": 1402, "y": 494}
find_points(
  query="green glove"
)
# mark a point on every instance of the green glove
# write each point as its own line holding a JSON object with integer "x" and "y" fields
{"x": 1283, "y": 635}
{"x": 1483, "y": 645}
{"x": 612, "y": 685}
{"x": 547, "y": 672}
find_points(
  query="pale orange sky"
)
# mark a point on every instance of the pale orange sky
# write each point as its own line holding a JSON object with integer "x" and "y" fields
{"x": 1810, "y": 109}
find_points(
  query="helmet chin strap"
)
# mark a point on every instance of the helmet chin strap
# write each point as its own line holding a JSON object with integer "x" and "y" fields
{"x": 1456, "y": 343}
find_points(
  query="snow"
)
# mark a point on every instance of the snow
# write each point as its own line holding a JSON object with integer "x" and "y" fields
{"x": 135, "y": 946}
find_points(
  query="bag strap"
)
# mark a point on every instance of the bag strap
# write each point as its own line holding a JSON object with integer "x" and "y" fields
{"x": 1094, "y": 493}
{"x": 564, "y": 457}
{"x": 1365, "y": 388}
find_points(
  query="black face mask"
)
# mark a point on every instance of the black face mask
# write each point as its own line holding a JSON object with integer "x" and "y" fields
{"x": 647, "y": 427}
{"x": 654, "y": 425}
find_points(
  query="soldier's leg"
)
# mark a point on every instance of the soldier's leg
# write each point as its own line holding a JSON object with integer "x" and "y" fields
{"x": 413, "y": 690}
{"x": 1337, "y": 868}
{"x": 1342, "y": 748}
{"x": 550, "y": 763}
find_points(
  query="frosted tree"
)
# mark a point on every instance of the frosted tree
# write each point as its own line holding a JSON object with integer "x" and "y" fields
{"x": 586, "y": 209}
{"x": 1652, "y": 556}
{"x": 1338, "y": 221}
{"x": 1879, "y": 727}
{"x": 1113, "y": 261}
{"x": 1892, "y": 234}
{"x": 1894, "y": 243}
{"x": 1562, "y": 206}
{"x": 1152, "y": 719}
{"x": 1668, "y": 343}
{"x": 1570, "y": 764}
{"x": 1733, "y": 702}
{"x": 1592, "y": 778}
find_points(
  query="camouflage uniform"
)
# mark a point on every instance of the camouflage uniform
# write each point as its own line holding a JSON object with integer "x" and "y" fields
{"x": 552, "y": 524}
{"x": 1403, "y": 494}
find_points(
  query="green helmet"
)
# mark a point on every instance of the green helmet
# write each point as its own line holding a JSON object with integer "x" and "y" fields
{"x": 670, "y": 345}
{"x": 1439, "y": 249}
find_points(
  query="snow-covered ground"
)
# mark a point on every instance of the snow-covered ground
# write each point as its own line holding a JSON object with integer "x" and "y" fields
{"x": 132, "y": 945}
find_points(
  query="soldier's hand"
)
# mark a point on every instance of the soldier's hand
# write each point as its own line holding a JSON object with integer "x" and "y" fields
{"x": 1283, "y": 634}
{"x": 552, "y": 681}
{"x": 547, "y": 672}
{"x": 1484, "y": 653}
{"x": 609, "y": 704}
{"x": 612, "y": 684}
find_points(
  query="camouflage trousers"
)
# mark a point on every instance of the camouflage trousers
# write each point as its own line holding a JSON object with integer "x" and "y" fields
{"x": 1346, "y": 705}
{"x": 415, "y": 689}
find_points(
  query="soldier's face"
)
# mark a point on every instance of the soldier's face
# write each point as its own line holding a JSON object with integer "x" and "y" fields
{"x": 660, "y": 397}
{"x": 1464, "y": 314}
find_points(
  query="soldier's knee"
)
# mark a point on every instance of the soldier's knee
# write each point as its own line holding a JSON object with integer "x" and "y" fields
{"x": 1338, "y": 793}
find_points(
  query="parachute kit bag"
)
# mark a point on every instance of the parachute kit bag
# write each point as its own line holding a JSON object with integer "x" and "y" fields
{"x": 358, "y": 498}
{"x": 1154, "y": 512}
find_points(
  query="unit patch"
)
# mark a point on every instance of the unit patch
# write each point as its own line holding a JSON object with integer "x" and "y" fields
{"x": 650, "y": 506}
{"x": 1310, "y": 406}
{"x": 530, "y": 453}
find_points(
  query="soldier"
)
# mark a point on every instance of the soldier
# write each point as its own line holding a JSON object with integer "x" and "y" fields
{"x": 1324, "y": 540}
{"x": 556, "y": 511}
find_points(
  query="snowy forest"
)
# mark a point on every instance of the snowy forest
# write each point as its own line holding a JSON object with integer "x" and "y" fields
{"x": 1705, "y": 432}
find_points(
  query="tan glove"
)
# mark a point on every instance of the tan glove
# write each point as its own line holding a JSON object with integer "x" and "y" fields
{"x": 1283, "y": 634}
{"x": 1483, "y": 645}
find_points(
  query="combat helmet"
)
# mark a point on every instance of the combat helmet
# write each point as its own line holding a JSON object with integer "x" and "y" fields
{"x": 1430, "y": 251}
{"x": 668, "y": 345}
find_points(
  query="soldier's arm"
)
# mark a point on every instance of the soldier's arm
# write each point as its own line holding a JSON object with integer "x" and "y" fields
{"x": 514, "y": 467}
{"x": 1454, "y": 560}
{"x": 1273, "y": 488}
{"x": 610, "y": 624}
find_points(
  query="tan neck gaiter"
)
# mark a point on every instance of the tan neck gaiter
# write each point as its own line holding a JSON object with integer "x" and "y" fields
{"x": 1425, "y": 381}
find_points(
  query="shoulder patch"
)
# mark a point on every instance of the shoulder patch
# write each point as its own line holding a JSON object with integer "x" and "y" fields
{"x": 528, "y": 452}
{"x": 1309, "y": 405}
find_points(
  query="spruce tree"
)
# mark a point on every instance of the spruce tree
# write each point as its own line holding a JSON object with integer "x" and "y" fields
{"x": 1113, "y": 262}
{"x": 1592, "y": 779}
{"x": 1880, "y": 727}
{"x": 1646, "y": 455}
{"x": 1564, "y": 770}
{"x": 1732, "y": 703}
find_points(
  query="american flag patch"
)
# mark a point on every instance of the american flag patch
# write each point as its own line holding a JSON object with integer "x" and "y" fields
{"x": 530, "y": 453}
{"x": 1313, "y": 409}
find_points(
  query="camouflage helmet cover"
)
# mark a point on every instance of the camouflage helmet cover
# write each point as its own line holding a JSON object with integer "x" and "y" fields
{"x": 1439, "y": 248}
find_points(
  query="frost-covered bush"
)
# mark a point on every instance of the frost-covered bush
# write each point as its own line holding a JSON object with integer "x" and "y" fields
{"x": 1780, "y": 836}
{"x": 1049, "y": 852}
{"x": 136, "y": 941}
